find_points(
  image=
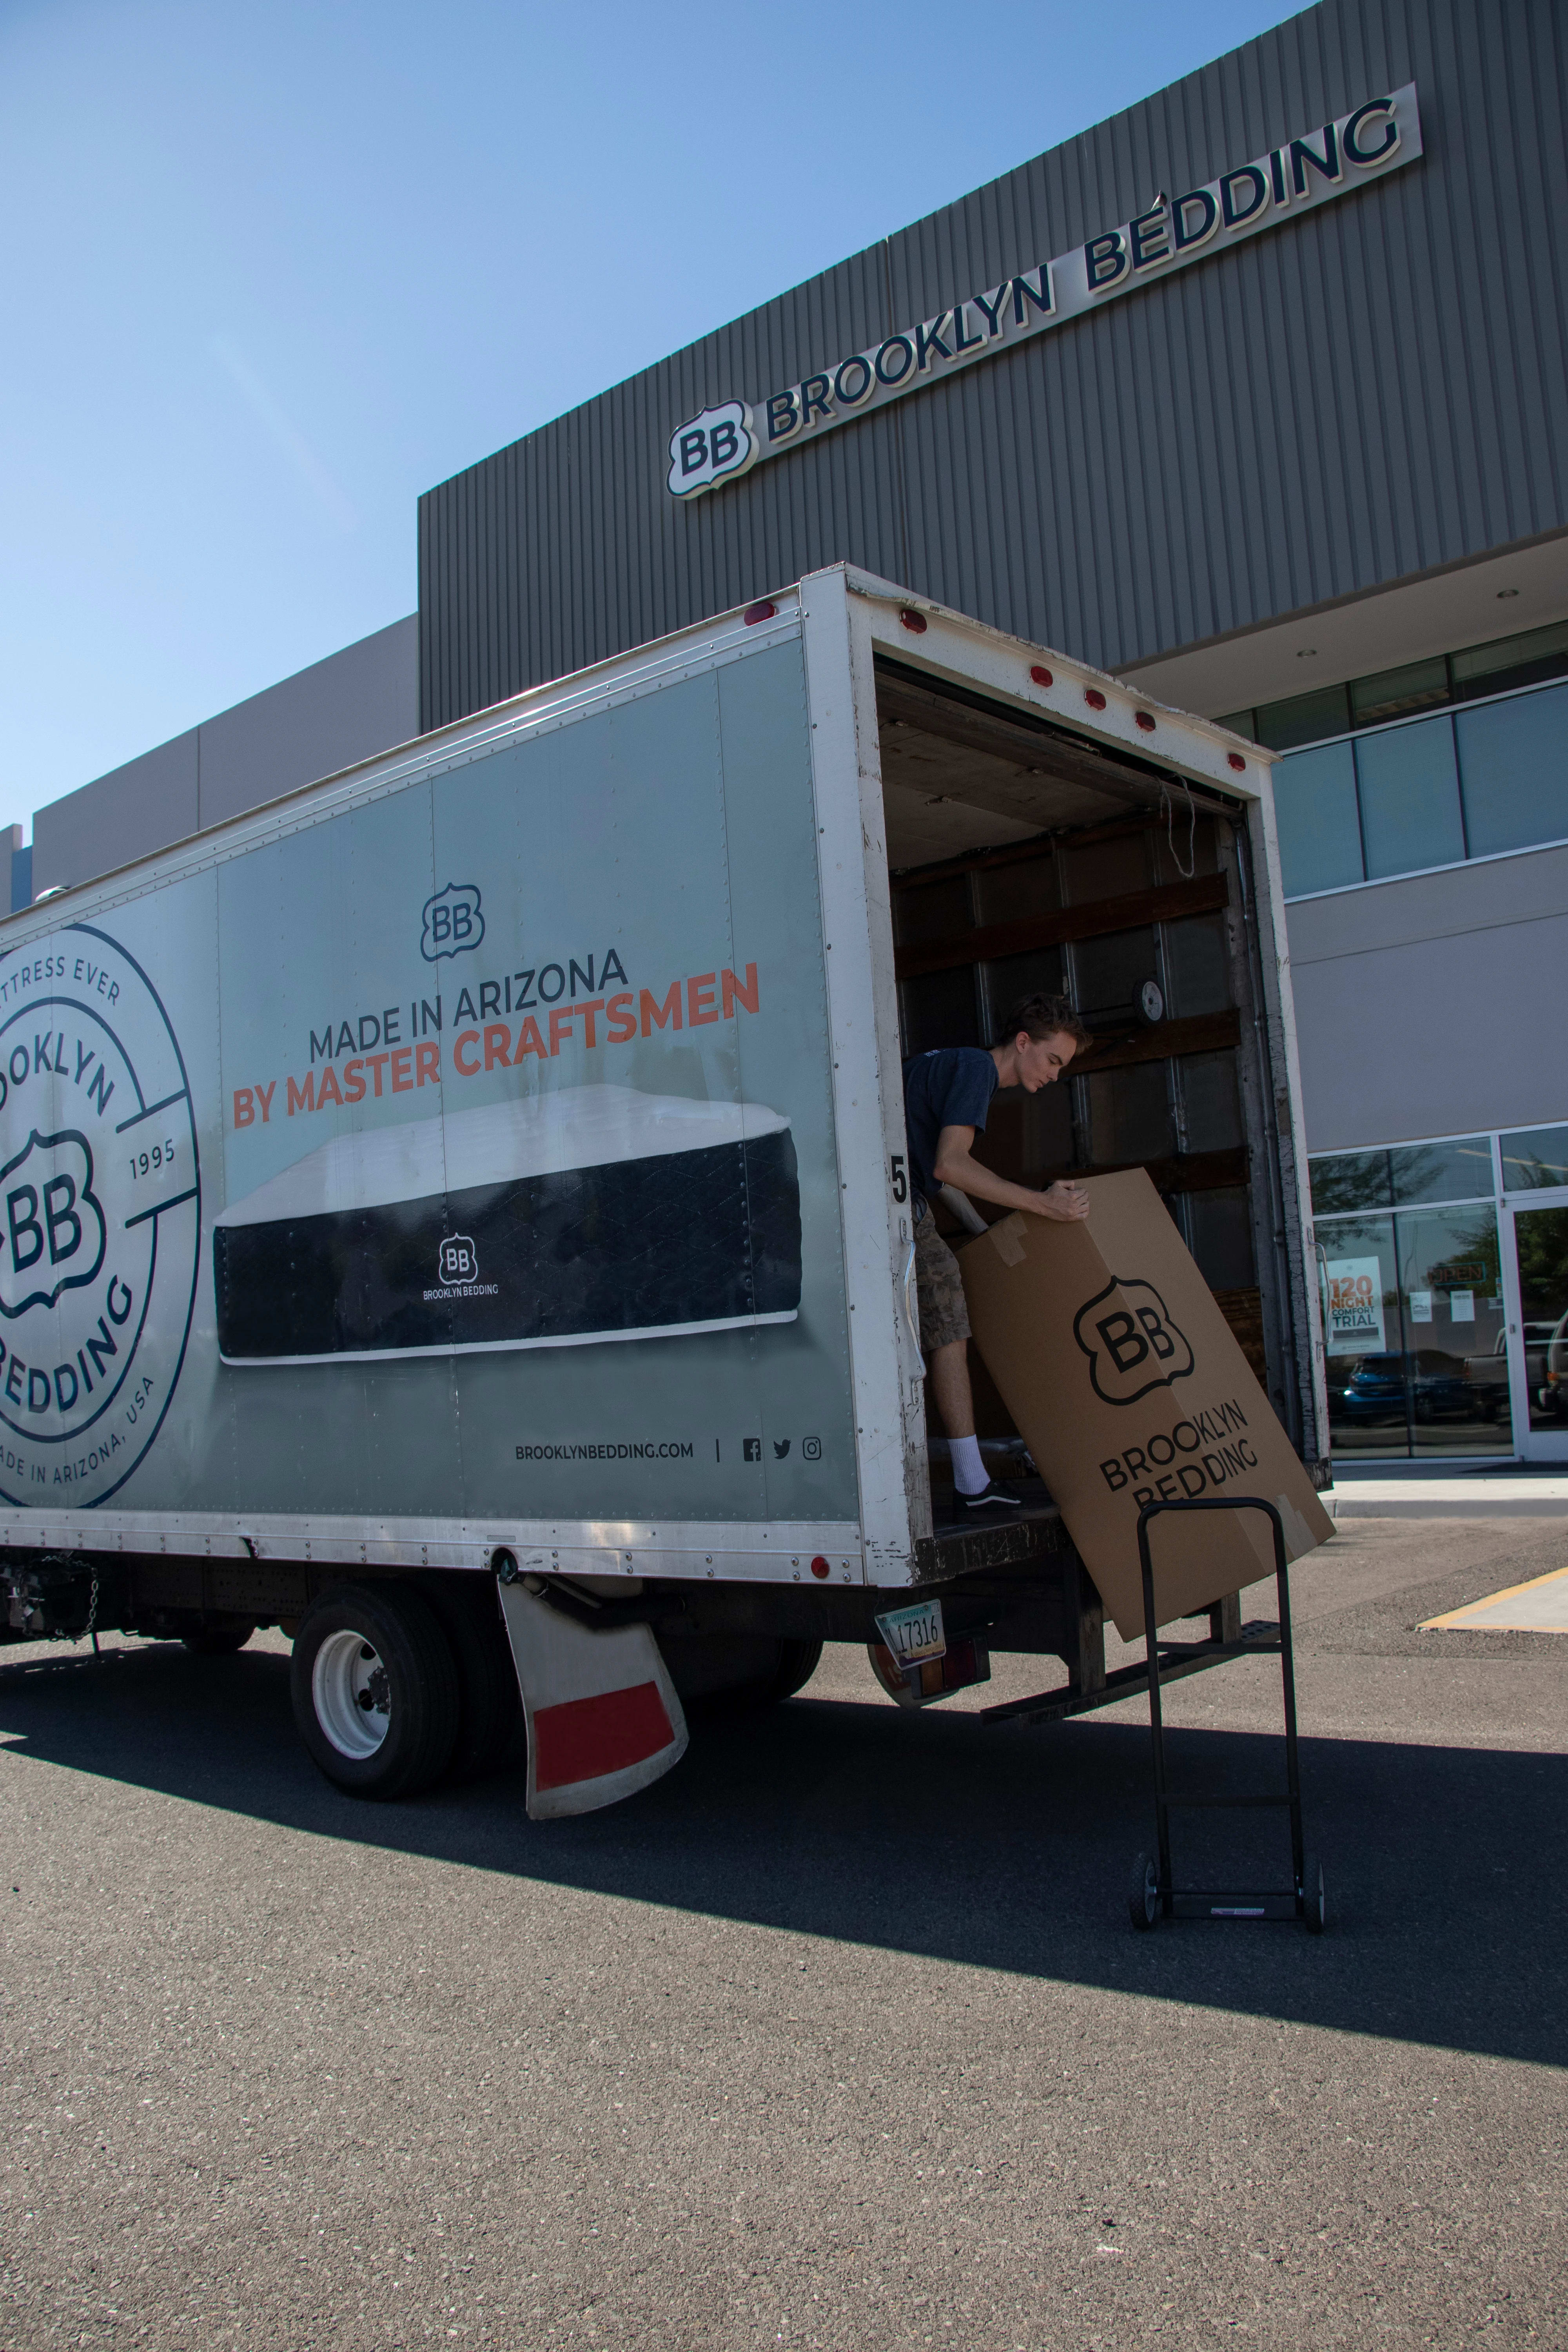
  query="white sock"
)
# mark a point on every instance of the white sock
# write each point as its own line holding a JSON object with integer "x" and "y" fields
{"x": 969, "y": 1472}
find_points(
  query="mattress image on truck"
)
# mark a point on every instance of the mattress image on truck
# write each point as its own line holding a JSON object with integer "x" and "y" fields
{"x": 591, "y": 1214}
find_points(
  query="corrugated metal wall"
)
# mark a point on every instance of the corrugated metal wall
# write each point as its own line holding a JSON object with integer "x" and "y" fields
{"x": 1374, "y": 389}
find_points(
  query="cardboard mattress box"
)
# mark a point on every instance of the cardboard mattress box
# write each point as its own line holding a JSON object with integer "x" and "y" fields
{"x": 1128, "y": 1387}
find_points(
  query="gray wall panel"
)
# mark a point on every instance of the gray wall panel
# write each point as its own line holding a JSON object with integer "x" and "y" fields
{"x": 357, "y": 702}
{"x": 1375, "y": 389}
{"x": 142, "y": 806}
{"x": 1420, "y": 1003}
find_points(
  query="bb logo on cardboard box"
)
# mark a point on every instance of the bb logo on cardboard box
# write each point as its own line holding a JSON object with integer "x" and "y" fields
{"x": 1134, "y": 1347}
{"x": 1132, "y": 1392}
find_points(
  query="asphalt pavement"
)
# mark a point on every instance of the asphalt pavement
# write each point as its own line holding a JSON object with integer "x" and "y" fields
{"x": 837, "y": 2037}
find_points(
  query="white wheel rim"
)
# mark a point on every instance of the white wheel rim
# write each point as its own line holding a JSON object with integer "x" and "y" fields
{"x": 349, "y": 1685}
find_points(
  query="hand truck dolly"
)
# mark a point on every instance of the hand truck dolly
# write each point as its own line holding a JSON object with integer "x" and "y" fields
{"x": 1154, "y": 1893}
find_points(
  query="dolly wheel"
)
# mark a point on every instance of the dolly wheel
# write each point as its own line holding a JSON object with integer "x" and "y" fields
{"x": 1316, "y": 1914}
{"x": 1144, "y": 1894}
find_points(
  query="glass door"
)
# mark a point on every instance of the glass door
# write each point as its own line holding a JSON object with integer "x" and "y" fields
{"x": 1456, "y": 1362}
{"x": 1414, "y": 1331}
{"x": 1537, "y": 1241}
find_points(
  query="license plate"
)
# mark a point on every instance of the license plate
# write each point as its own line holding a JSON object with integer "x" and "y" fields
{"x": 914, "y": 1634}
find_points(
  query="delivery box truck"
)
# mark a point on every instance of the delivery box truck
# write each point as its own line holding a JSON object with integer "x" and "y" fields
{"x": 460, "y": 1213}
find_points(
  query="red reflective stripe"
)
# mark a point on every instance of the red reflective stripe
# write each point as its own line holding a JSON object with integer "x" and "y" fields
{"x": 584, "y": 1738}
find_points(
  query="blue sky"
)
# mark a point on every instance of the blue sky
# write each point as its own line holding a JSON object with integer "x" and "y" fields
{"x": 272, "y": 271}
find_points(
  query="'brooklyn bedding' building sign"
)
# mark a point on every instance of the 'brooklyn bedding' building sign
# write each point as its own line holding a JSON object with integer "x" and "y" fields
{"x": 1373, "y": 139}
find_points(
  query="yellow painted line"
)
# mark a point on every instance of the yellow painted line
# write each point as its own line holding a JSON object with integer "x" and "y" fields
{"x": 1462, "y": 1617}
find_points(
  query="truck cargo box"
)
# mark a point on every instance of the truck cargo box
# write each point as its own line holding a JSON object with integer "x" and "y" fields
{"x": 495, "y": 1154}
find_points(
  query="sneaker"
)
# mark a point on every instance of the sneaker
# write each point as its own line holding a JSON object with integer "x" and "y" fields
{"x": 993, "y": 1495}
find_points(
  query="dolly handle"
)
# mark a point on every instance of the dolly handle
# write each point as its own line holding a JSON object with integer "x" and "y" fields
{"x": 1287, "y": 1661}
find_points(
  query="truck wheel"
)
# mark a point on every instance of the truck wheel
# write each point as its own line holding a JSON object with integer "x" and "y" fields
{"x": 715, "y": 1700}
{"x": 797, "y": 1667}
{"x": 489, "y": 1706}
{"x": 376, "y": 1690}
{"x": 217, "y": 1641}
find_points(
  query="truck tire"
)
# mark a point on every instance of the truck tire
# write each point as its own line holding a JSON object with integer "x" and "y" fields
{"x": 714, "y": 1700}
{"x": 376, "y": 1690}
{"x": 217, "y": 1641}
{"x": 489, "y": 1705}
{"x": 797, "y": 1667}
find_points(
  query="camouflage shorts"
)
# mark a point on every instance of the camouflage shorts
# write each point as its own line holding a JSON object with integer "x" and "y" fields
{"x": 944, "y": 1317}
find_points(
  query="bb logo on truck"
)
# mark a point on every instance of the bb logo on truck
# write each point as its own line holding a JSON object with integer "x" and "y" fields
{"x": 453, "y": 922}
{"x": 459, "y": 1259}
{"x": 54, "y": 1236}
{"x": 1133, "y": 1345}
{"x": 99, "y": 1219}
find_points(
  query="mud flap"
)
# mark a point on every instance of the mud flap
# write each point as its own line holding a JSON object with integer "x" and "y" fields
{"x": 603, "y": 1716}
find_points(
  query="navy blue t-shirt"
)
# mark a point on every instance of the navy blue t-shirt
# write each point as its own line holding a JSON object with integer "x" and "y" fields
{"x": 952, "y": 1087}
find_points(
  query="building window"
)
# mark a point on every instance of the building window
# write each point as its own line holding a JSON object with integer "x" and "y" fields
{"x": 1535, "y": 1161}
{"x": 1371, "y": 788}
{"x": 1501, "y": 666}
{"x": 1424, "y": 792}
{"x": 1408, "y": 780}
{"x": 1423, "y": 1257}
{"x": 1458, "y": 1169}
{"x": 1319, "y": 821}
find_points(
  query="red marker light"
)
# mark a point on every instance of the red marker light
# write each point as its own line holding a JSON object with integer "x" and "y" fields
{"x": 1093, "y": 697}
{"x": 1146, "y": 722}
{"x": 1041, "y": 675}
{"x": 917, "y": 622}
{"x": 819, "y": 1565}
{"x": 755, "y": 612}
{"x": 1237, "y": 761}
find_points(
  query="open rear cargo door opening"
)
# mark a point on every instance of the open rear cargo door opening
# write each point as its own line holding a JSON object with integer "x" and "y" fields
{"x": 1025, "y": 859}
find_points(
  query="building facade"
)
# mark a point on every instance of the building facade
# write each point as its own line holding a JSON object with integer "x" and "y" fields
{"x": 1257, "y": 396}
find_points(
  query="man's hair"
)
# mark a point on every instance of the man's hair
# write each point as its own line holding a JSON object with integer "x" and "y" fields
{"x": 1043, "y": 1016}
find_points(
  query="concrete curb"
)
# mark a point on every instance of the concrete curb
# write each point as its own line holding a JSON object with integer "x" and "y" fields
{"x": 1449, "y": 1499}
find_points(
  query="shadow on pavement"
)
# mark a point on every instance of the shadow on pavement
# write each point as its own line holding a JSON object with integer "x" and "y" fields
{"x": 933, "y": 1834}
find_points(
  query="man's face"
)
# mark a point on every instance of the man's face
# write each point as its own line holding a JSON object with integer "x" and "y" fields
{"x": 1042, "y": 1060}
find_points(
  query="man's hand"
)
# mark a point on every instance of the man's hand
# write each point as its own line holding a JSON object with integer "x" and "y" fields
{"x": 956, "y": 1164}
{"x": 1065, "y": 1204}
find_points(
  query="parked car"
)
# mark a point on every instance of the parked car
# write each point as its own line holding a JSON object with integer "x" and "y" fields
{"x": 1545, "y": 1370}
{"x": 1374, "y": 1389}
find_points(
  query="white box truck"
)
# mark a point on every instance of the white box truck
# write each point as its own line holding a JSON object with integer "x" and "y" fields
{"x": 459, "y": 1212}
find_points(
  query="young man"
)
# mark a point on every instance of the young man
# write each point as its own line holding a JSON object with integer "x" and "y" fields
{"x": 947, "y": 1096}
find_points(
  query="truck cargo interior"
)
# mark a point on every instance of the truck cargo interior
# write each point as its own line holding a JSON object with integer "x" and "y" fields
{"x": 1023, "y": 856}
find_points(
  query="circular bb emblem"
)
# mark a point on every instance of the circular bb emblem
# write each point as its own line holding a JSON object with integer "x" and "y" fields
{"x": 99, "y": 1218}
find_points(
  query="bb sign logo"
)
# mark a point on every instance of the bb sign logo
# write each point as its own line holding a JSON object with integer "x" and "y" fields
{"x": 99, "y": 1218}
{"x": 712, "y": 448}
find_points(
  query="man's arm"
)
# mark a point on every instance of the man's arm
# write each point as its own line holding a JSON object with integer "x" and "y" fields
{"x": 956, "y": 1164}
